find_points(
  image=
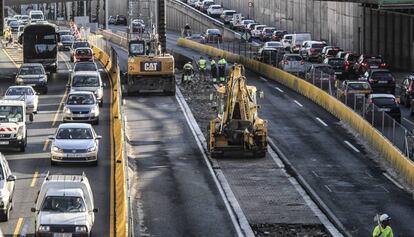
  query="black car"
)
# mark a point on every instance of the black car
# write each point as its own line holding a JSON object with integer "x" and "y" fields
{"x": 350, "y": 60}
{"x": 32, "y": 74}
{"x": 379, "y": 103}
{"x": 406, "y": 91}
{"x": 120, "y": 20}
{"x": 66, "y": 42}
{"x": 338, "y": 65}
{"x": 381, "y": 80}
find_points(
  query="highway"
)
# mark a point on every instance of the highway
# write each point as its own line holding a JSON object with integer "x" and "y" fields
{"x": 31, "y": 166}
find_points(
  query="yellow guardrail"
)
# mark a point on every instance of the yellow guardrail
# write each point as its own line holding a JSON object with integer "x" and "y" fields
{"x": 117, "y": 136}
{"x": 392, "y": 155}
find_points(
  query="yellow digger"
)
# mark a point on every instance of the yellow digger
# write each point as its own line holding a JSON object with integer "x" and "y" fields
{"x": 237, "y": 129}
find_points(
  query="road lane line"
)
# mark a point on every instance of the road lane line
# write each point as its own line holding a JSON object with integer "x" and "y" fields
{"x": 327, "y": 187}
{"x": 18, "y": 227}
{"x": 46, "y": 145}
{"x": 34, "y": 179}
{"x": 322, "y": 122}
{"x": 351, "y": 146}
{"x": 63, "y": 97}
{"x": 393, "y": 180}
{"x": 263, "y": 79}
{"x": 296, "y": 102}
{"x": 280, "y": 90}
{"x": 11, "y": 59}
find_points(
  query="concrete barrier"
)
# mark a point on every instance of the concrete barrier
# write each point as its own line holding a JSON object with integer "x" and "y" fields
{"x": 401, "y": 164}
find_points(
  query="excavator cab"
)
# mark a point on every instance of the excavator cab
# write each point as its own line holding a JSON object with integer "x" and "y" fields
{"x": 137, "y": 48}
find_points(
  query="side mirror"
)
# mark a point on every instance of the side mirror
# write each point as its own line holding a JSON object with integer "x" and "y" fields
{"x": 104, "y": 84}
{"x": 51, "y": 137}
{"x": 33, "y": 209}
{"x": 31, "y": 117}
{"x": 95, "y": 210}
{"x": 11, "y": 178}
{"x": 98, "y": 137}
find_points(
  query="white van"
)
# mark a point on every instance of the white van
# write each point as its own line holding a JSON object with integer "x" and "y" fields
{"x": 13, "y": 131}
{"x": 7, "y": 180}
{"x": 298, "y": 39}
{"x": 36, "y": 15}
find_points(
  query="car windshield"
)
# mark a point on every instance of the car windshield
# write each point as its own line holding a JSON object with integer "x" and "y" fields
{"x": 274, "y": 44}
{"x": 74, "y": 133}
{"x": 229, "y": 13}
{"x": 213, "y": 32}
{"x": 80, "y": 44}
{"x": 66, "y": 38}
{"x": 358, "y": 86}
{"x": 91, "y": 67}
{"x": 84, "y": 52}
{"x": 269, "y": 30}
{"x": 85, "y": 81}
{"x": 318, "y": 46}
{"x": 336, "y": 62}
{"x": 14, "y": 24}
{"x": 36, "y": 70}
{"x": 382, "y": 75}
{"x": 63, "y": 204}
{"x": 332, "y": 52}
{"x": 294, "y": 58}
{"x": 37, "y": 16}
{"x": 11, "y": 114}
{"x": 80, "y": 99}
{"x": 19, "y": 91}
{"x": 381, "y": 101}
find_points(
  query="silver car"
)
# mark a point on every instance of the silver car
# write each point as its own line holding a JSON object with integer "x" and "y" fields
{"x": 292, "y": 63}
{"x": 74, "y": 142}
{"x": 81, "y": 106}
{"x": 88, "y": 81}
{"x": 26, "y": 94}
{"x": 33, "y": 74}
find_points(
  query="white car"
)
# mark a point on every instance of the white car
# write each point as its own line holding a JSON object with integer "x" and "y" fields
{"x": 26, "y": 94}
{"x": 292, "y": 63}
{"x": 287, "y": 41}
{"x": 214, "y": 10}
{"x": 257, "y": 31}
{"x": 74, "y": 143}
{"x": 227, "y": 15}
{"x": 7, "y": 183}
{"x": 273, "y": 44}
{"x": 64, "y": 206}
{"x": 81, "y": 106}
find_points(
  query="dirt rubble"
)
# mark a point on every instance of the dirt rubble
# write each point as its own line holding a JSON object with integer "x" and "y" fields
{"x": 197, "y": 96}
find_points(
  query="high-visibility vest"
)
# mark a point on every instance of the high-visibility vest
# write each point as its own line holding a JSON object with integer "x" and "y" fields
{"x": 385, "y": 232}
{"x": 202, "y": 63}
{"x": 222, "y": 61}
{"x": 188, "y": 66}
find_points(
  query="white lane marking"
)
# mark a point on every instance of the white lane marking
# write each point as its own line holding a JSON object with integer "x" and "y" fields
{"x": 393, "y": 180}
{"x": 296, "y": 102}
{"x": 277, "y": 88}
{"x": 263, "y": 79}
{"x": 410, "y": 122}
{"x": 351, "y": 146}
{"x": 327, "y": 187}
{"x": 322, "y": 122}
{"x": 386, "y": 190}
{"x": 315, "y": 174}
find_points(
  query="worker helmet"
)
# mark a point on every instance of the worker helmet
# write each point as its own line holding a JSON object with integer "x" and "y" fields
{"x": 384, "y": 217}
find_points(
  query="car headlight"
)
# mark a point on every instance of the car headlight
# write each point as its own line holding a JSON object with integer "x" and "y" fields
{"x": 95, "y": 110}
{"x": 43, "y": 79}
{"x": 57, "y": 149}
{"x": 66, "y": 110}
{"x": 90, "y": 149}
{"x": 19, "y": 134}
{"x": 81, "y": 229}
{"x": 98, "y": 93}
{"x": 44, "y": 228}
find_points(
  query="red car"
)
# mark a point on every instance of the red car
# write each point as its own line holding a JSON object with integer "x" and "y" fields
{"x": 366, "y": 62}
{"x": 83, "y": 55}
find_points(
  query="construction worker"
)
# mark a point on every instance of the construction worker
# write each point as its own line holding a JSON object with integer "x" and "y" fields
{"x": 188, "y": 71}
{"x": 222, "y": 69}
{"x": 187, "y": 30}
{"x": 383, "y": 229}
{"x": 213, "y": 69}
{"x": 202, "y": 65}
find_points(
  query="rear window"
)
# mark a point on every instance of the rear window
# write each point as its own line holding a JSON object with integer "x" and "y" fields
{"x": 318, "y": 46}
{"x": 289, "y": 37}
{"x": 260, "y": 28}
{"x": 294, "y": 58}
{"x": 269, "y": 30}
{"x": 229, "y": 13}
{"x": 381, "y": 75}
{"x": 85, "y": 67}
{"x": 216, "y": 7}
{"x": 336, "y": 62}
{"x": 84, "y": 52}
{"x": 359, "y": 86}
{"x": 80, "y": 44}
{"x": 373, "y": 60}
{"x": 381, "y": 101}
{"x": 332, "y": 52}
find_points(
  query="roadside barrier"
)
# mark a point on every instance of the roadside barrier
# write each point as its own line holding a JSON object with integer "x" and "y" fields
{"x": 396, "y": 159}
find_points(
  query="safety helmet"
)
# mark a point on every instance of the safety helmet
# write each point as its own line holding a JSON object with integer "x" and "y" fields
{"x": 384, "y": 217}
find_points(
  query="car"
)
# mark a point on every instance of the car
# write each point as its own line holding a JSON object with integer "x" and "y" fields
{"x": 197, "y": 38}
{"x": 78, "y": 44}
{"x": 213, "y": 36}
{"x": 7, "y": 188}
{"x": 381, "y": 80}
{"x": 267, "y": 33}
{"x": 227, "y": 15}
{"x": 86, "y": 67}
{"x": 236, "y": 22}
{"x": 20, "y": 31}
{"x": 287, "y": 41}
{"x": 292, "y": 63}
{"x": 270, "y": 56}
{"x": 14, "y": 26}
{"x": 257, "y": 31}
{"x": 26, "y": 94}
{"x": 331, "y": 53}
{"x": 74, "y": 143}
{"x": 215, "y": 10}
{"x": 205, "y": 5}
{"x": 32, "y": 74}
{"x": 81, "y": 106}
{"x": 62, "y": 32}
{"x": 321, "y": 74}
{"x": 250, "y": 27}
{"x": 338, "y": 65}
{"x": 24, "y": 20}
{"x": 66, "y": 42}
{"x": 273, "y": 44}
{"x": 245, "y": 23}
{"x": 377, "y": 104}
{"x": 297, "y": 41}
{"x": 88, "y": 81}
{"x": 192, "y": 3}
{"x": 341, "y": 54}
{"x": 353, "y": 93}
{"x": 36, "y": 15}
{"x": 350, "y": 59}
{"x": 138, "y": 26}
{"x": 407, "y": 91}
{"x": 278, "y": 35}
{"x": 83, "y": 55}
{"x": 111, "y": 20}
{"x": 64, "y": 206}
{"x": 366, "y": 62}
{"x": 10, "y": 20}
{"x": 311, "y": 50}
{"x": 121, "y": 20}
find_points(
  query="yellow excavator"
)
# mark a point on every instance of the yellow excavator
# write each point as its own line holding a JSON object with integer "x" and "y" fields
{"x": 237, "y": 129}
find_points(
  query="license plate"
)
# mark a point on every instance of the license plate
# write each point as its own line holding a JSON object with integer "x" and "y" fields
{"x": 374, "y": 67}
{"x": 384, "y": 110}
{"x": 75, "y": 155}
{"x": 383, "y": 82}
{"x": 62, "y": 235}
{"x": 80, "y": 115}
{"x": 4, "y": 142}
{"x": 338, "y": 73}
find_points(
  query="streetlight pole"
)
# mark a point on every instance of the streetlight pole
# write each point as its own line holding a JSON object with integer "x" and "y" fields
{"x": 106, "y": 14}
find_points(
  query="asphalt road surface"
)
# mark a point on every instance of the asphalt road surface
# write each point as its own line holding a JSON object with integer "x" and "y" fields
{"x": 31, "y": 166}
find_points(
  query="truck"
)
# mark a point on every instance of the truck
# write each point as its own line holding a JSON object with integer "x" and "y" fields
{"x": 64, "y": 206}
{"x": 13, "y": 130}
{"x": 40, "y": 45}
{"x": 237, "y": 129}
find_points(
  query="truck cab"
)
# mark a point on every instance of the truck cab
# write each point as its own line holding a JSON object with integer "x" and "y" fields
{"x": 13, "y": 131}
{"x": 64, "y": 206}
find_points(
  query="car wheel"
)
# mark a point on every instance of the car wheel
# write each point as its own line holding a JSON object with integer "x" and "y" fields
{"x": 5, "y": 215}
{"x": 411, "y": 110}
{"x": 96, "y": 122}
{"x": 95, "y": 163}
{"x": 101, "y": 104}
{"x": 22, "y": 147}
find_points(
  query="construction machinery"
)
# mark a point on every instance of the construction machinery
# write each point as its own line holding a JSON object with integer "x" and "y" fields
{"x": 150, "y": 67}
{"x": 237, "y": 129}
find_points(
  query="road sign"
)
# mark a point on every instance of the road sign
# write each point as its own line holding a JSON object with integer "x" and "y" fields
{"x": 246, "y": 36}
